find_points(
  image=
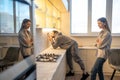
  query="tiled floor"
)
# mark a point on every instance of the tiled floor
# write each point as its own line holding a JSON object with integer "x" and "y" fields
{"x": 78, "y": 76}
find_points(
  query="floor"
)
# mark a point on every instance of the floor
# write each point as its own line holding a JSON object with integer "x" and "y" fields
{"x": 78, "y": 76}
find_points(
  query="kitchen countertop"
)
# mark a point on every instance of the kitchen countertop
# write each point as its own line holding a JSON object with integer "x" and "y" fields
{"x": 46, "y": 70}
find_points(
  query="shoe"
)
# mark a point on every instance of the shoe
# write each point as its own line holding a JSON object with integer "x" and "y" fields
{"x": 70, "y": 74}
{"x": 84, "y": 76}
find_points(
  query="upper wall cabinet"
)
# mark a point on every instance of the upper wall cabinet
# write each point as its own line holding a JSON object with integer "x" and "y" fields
{"x": 56, "y": 13}
{"x": 48, "y": 13}
{"x": 40, "y": 13}
{"x": 49, "y": 8}
{"x": 40, "y": 18}
{"x": 41, "y": 5}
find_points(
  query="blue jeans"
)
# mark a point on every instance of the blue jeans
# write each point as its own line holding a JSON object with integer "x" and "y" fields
{"x": 98, "y": 68}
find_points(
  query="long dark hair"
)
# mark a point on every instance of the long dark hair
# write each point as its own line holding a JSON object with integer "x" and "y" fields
{"x": 104, "y": 20}
{"x": 24, "y": 22}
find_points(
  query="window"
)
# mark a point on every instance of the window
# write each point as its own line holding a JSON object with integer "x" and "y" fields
{"x": 11, "y": 15}
{"x": 97, "y": 12}
{"x": 79, "y": 16}
{"x": 22, "y": 12}
{"x": 116, "y": 16}
{"x": 65, "y": 2}
{"x": 84, "y": 15}
{"x": 6, "y": 16}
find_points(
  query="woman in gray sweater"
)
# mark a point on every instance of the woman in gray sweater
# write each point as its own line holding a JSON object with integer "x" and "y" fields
{"x": 71, "y": 46}
{"x": 25, "y": 38}
{"x": 103, "y": 43}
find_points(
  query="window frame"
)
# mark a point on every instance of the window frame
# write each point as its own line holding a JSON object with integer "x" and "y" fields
{"x": 14, "y": 17}
{"x": 109, "y": 5}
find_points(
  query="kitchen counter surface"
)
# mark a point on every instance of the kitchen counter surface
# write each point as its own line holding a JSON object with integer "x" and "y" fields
{"x": 48, "y": 70}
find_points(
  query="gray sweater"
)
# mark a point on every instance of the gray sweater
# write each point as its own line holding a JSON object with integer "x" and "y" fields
{"x": 104, "y": 49}
{"x": 26, "y": 49}
{"x": 22, "y": 36}
{"x": 62, "y": 41}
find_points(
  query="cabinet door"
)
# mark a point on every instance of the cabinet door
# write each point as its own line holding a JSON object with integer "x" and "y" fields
{"x": 40, "y": 19}
{"x": 91, "y": 57}
{"x": 49, "y": 21}
{"x": 41, "y": 4}
{"x": 49, "y": 8}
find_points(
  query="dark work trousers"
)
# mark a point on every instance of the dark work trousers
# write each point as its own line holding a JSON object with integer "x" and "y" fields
{"x": 72, "y": 52}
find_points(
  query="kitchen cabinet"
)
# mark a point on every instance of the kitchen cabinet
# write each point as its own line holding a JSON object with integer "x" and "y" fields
{"x": 58, "y": 24}
{"x": 47, "y": 15}
{"x": 41, "y": 5}
{"x": 40, "y": 15}
{"x": 55, "y": 12}
{"x": 56, "y": 18}
{"x": 49, "y": 8}
{"x": 49, "y": 20}
{"x": 40, "y": 18}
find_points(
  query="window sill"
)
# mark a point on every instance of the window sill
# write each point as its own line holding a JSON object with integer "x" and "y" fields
{"x": 8, "y": 34}
{"x": 91, "y": 35}
{"x": 83, "y": 35}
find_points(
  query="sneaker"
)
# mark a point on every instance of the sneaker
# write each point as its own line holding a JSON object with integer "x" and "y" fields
{"x": 84, "y": 76}
{"x": 70, "y": 74}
